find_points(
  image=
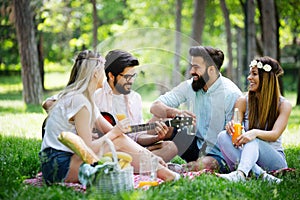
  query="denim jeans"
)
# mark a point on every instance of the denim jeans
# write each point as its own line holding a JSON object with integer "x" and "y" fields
{"x": 257, "y": 155}
{"x": 55, "y": 165}
{"x": 193, "y": 153}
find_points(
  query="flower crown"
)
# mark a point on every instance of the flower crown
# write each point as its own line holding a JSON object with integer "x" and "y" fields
{"x": 259, "y": 65}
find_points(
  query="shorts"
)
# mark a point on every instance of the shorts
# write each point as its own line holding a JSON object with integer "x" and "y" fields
{"x": 192, "y": 154}
{"x": 55, "y": 165}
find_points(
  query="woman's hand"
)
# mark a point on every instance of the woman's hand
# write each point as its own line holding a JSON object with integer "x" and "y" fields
{"x": 123, "y": 125}
{"x": 230, "y": 127}
{"x": 246, "y": 137}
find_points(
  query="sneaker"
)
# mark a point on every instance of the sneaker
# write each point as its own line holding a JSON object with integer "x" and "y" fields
{"x": 175, "y": 167}
{"x": 270, "y": 178}
{"x": 235, "y": 176}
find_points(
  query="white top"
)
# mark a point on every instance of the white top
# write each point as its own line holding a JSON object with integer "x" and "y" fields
{"x": 130, "y": 104}
{"x": 59, "y": 119}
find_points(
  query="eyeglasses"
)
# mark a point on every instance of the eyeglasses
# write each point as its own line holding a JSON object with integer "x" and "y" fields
{"x": 128, "y": 77}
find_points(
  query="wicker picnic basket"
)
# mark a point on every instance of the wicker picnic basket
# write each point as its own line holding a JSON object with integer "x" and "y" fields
{"x": 109, "y": 177}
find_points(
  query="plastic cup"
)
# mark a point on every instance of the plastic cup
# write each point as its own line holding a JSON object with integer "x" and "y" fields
{"x": 189, "y": 129}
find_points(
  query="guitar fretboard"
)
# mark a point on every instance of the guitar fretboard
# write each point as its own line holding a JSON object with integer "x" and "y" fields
{"x": 142, "y": 127}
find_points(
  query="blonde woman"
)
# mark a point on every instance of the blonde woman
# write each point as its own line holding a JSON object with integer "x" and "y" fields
{"x": 75, "y": 111}
{"x": 264, "y": 114}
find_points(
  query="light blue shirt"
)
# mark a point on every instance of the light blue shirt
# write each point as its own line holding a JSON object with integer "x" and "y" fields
{"x": 213, "y": 108}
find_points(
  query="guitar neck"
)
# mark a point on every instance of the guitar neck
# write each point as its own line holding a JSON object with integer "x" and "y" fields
{"x": 141, "y": 127}
{"x": 145, "y": 127}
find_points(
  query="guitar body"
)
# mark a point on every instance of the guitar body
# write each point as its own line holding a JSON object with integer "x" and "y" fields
{"x": 109, "y": 118}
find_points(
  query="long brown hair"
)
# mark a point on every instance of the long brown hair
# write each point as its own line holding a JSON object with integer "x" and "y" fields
{"x": 263, "y": 104}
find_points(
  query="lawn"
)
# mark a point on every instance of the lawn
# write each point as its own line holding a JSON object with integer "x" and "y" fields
{"x": 20, "y": 140}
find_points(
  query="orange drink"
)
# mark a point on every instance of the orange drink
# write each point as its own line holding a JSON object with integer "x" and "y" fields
{"x": 147, "y": 183}
{"x": 237, "y": 131}
{"x": 237, "y": 126}
{"x": 120, "y": 116}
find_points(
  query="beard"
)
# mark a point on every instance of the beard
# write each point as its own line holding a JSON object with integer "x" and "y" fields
{"x": 201, "y": 82}
{"x": 121, "y": 88}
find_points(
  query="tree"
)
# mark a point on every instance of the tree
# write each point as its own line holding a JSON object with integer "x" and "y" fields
{"x": 250, "y": 30}
{"x": 95, "y": 24}
{"x": 269, "y": 28}
{"x": 197, "y": 26}
{"x": 32, "y": 87}
{"x": 176, "y": 76}
{"x": 228, "y": 41}
{"x": 198, "y": 21}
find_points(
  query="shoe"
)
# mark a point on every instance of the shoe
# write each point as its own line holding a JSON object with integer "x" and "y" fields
{"x": 175, "y": 167}
{"x": 270, "y": 178}
{"x": 235, "y": 176}
{"x": 177, "y": 177}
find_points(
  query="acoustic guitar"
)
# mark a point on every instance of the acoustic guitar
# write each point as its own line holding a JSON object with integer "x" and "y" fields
{"x": 177, "y": 122}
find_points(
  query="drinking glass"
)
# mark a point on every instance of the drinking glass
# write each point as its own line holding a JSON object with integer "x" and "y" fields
{"x": 189, "y": 106}
{"x": 148, "y": 170}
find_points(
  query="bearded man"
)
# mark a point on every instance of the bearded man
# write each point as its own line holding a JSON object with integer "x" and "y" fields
{"x": 213, "y": 97}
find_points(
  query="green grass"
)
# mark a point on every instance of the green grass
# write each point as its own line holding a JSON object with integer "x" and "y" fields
{"x": 20, "y": 140}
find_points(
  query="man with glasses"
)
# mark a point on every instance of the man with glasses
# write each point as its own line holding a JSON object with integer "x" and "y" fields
{"x": 116, "y": 97}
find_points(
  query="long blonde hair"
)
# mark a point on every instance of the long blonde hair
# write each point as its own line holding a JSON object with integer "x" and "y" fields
{"x": 86, "y": 62}
{"x": 263, "y": 104}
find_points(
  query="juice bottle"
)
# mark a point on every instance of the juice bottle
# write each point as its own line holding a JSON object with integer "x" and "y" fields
{"x": 237, "y": 126}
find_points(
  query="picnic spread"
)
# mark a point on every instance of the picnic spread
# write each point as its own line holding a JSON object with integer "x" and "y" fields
{"x": 111, "y": 171}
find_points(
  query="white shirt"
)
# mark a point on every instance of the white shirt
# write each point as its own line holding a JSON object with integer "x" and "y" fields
{"x": 59, "y": 119}
{"x": 130, "y": 105}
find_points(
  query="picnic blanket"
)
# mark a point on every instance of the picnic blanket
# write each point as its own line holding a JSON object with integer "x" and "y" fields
{"x": 38, "y": 180}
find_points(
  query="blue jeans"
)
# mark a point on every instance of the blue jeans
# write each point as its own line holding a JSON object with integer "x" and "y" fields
{"x": 55, "y": 165}
{"x": 192, "y": 154}
{"x": 257, "y": 155}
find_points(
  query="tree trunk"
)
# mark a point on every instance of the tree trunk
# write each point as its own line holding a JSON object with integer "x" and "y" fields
{"x": 269, "y": 28}
{"x": 95, "y": 25}
{"x": 176, "y": 70}
{"x": 298, "y": 89}
{"x": 32, "y": 87}
{"x": 240, "y": 61}
{"x": 41, "y": 59}
{"x": 198, "y": 22}
{"x": 250, "y": 31}
{"x": 229, "y": 71}
{"x": 198, "y": 26}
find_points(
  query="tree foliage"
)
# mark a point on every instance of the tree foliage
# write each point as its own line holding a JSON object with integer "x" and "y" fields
{"x": 146, "y": 28}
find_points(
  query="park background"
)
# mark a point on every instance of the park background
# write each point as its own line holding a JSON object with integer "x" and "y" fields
{"x": 39, "y": 40}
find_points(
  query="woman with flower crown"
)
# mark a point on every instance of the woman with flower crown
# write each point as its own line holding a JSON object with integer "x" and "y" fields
{"x": 264, "y": 114}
